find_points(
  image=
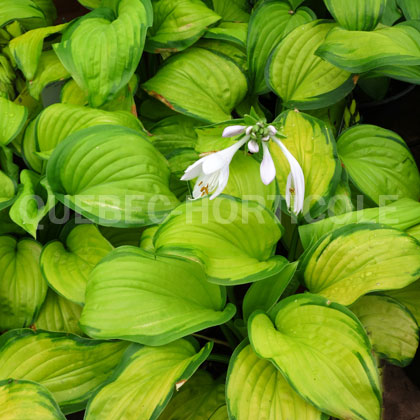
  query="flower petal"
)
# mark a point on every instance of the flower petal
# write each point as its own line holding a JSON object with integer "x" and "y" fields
{"x": 233, "y": 130}
{"x": 272, "y": 130}
{"x": 218, "y": 160}
{"x": 253, "y": 146}
{"x": 194, "y": 170}
{"x": 223, "y": 180}
{"x": 298, "y": 178}
{"x": 288, "y": 193}
{"x": 267, "y": 168}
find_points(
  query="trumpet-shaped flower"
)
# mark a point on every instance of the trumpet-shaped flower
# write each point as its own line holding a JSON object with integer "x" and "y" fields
{"x": 212, "y": 171}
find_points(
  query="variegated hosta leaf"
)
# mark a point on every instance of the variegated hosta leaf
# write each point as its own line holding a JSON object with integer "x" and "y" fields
{"x": 199, "y": 399}
{"x": 415, "y": 232}
{"x": 357, "y": 15}
{"x": 150, "y": 299}
{"x": 12, "y": 120}
{"x": 391, "y": 328}
{"x": 58, "y": 121}
{"x": 27, "y": 48}
{"x": 90, "y": 4}
{"x": 359, "y": 52}
{"x": 146, "y": 241}
{"x": 256, "y": 390}
{"x": 264, "y": 294}
{"x": 302, "y": 79}
{"x": 235, "y": 32}
{"x": 215, "y": 84}
{"x": 101, "y": 50}
{"x": 22, "y": 288}
{"x": 379, "y": 163}
{"x": 220, "y": 414}
{"x": 58, "y": 314}
{"x": 49, "y": 70}
{"x": 235, "y": 239}
{"x": 232, "y": 10}
{"x": 112, "y": 185}
{"x": 66, "y": 266}
{"x": 410, "y": 297}
{"x": 25, "y": 11}
{"x": 270, "y": 21}
{"x": 70, "y": 367}
{"x": 48, "y": 7}
{"x": 323, "y": 352}
{"x": 177, "y": 24}
{"x": 143, "y": 383}
{"x": 20, "y": 400}
{"x": 175, "y": 132}
{"x": 360, "y": 258}
{"x": 311, "y": 142}
{"x": 402, "y": 214}
{"x": 29, "y": 151}
{"x": 29, "y": 207}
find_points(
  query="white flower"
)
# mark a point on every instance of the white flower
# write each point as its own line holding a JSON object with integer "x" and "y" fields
{"x": 295, "y": 181}
{"x": 253, "y": 146}
{"x": 213, "y": 171}
{"x": 233, "y": 131}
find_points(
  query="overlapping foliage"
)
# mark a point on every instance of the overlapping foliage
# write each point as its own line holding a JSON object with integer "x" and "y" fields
{"x": 121, "y": 295}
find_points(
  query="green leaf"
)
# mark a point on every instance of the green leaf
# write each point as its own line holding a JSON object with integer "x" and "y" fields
{"x": 391, "y": 14}
{"x": 270, "y": 21}
{"x": 220, "y": 414}
{"x": 27, "y": 48}
{"x": 232, "y": 10}
{"x": 175, "y": 132}
{"x": 264, "y": 294}
{"x": 29, "y": 151}
{"x": 235, "y": 32}
{"x": 27, "y": 400}
{"x": 7, "y": 190}
{"x": 391, "y": 328}
{"x": 34, "y": 200}
{"x": 143, "y": 383}
{"x": 359, "y": 15}
{"x": 409, "y": 297}
{"x": 58, "y": 121}
{"x": 245, "y": 183}
{"x": 90, "y": 173}
{"x": 102, "y": 50}
{"x": 177, "y": 24}
{"x": 66, "y": 267}
{"x": 255, "y": 389}
{"x": 25, "y": 11}
{"x": 415, "y": 232}
{"x": 210, "y": 138}
{"x": 323, "y": 352}
{"x": 214, "y": 83}
{"x": 359, "y": 52}
{"x": 90, "y": 4}
{"x": 59, "y": 315}
{"x": 409, "y": 74}
{"x": 22, "y": 289}
{"x": 70, "y": 367}
{"x": 48, "y": 7}
{"x": 146, "y": 240}
{"x": 402, "y": 214}
{"x": 49, "y": 70}
{"x": 302, "y": 79}
{"x": 379, "y": 163}
{"x": 235, "y": 239}
{"x": 360, "y": 258}
{"x": 199, "y": 399}
{"x": 119, "y": 237}
{"x": 12, "y": 121}
{"x": 177, "y": 299}
{"x": 311, "y": 142}
{"x": 410, "y": 8}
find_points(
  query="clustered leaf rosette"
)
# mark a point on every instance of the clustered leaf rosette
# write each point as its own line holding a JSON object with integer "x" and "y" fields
{"x": 212, "y": 170}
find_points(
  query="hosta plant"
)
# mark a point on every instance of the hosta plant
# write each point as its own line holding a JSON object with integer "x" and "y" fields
{"x": 196, "y": 221}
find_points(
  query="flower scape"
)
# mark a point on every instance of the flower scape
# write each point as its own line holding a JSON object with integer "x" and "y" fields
{"x": 197, "y": 220}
